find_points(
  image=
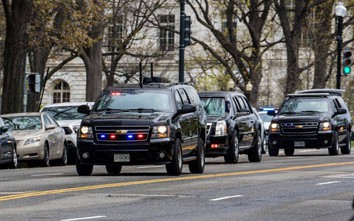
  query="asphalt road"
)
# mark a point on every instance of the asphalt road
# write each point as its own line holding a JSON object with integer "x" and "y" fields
{"x": 308, "y": 186}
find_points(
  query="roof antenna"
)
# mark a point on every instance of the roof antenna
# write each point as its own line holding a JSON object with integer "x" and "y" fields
{"x": 140, "y": 75}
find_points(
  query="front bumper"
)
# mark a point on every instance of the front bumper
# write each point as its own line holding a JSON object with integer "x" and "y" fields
{"x": 319, "y": 140}
{"x": 216, "y": 146}
{"x": 158, "y": 151}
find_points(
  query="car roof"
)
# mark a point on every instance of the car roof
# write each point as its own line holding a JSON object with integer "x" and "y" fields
{"x": 330, "y": 91}
{"x": 68, "y": 104}
{"x": 313, "y": 95}
{"x": 159, "y": 86}
{"x": 218, "y": 93}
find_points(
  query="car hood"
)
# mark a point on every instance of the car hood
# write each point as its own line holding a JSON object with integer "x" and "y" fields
{"x": 213, "y": 119}
{"x": 127, "y": 117}
{"x": 68, "y": 123}
{"x": 301, "y": 118}
{"x": 23, "y": 134}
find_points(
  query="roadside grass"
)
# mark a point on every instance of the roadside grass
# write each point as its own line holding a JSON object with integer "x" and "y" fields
{"x": 352, "y": 142}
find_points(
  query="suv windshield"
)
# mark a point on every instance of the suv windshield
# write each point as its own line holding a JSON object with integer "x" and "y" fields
{"x": 304, "y": 105}
{"x": 136, "y": 100}
{"x": 265, "y": 117}
{"x": 64, "y": 113}
{"x": 213, "y": 106}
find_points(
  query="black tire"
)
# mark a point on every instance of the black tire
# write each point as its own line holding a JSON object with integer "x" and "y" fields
{"x": 334, "y": 150}
{"x": 114, "y": 169}
{"x": 289, "y": 152}
{"x": 71, "y": 154}
{"x": 46, "y": 161}
{"x": 176, "y": 165}
{"x": 348, "y": 146}
{"x": 198, "y": 165}
{"x": 64, "y": 157}
{"x": 14, "y": 163}
{"x": 234, "y": 149}
{"x": 273, "y": 152}
{"x": 255, "y": 153}
{"x": 83, "y": 169}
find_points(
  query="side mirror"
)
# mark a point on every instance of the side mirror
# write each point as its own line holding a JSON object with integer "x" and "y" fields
{"x": 186, "y": 108}
{"x": 3, "y": 129}
{"x": 50, "y": 127}
{"x": 271, "y": 112}
{"x": 83, "y": 109}
{"x": 341, "y": 111}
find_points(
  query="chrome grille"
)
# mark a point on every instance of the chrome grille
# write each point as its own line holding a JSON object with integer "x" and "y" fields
{"x": 297, "y": 128}
{"x": 122, "y": 133}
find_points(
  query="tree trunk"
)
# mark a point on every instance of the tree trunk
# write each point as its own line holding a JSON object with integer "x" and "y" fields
{"x": 293, "y": 74}
{"x": 92, "y": 58}
{"x": 18, "y": 15}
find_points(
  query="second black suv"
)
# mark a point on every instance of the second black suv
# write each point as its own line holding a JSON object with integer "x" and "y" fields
{"x": 152, "y": 123}
{"x": 232, "y": 127}
{"x": 317, "y": 118}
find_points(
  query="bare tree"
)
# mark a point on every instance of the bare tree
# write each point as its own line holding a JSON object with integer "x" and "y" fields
{"x": 17, "y": 14}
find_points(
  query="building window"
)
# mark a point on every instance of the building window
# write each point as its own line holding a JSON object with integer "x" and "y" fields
{"x": 115, "y": 32}
{"x": 167, "y": 35}
{"x": 61, "y": 92}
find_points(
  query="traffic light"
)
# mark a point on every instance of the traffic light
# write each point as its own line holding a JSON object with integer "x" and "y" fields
{"x": 347, "y": 61}
{"x": 33, "y": 83}
{"x": 187, "y": 30}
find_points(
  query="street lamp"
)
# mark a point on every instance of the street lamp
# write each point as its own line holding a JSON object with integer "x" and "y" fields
{"x": 249, "y": 88}
{"x": 340, "y": 11}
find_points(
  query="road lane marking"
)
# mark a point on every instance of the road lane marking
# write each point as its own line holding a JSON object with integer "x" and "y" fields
{"x": 342, "y": 176}
{"x": 326, "y": 183}
{"x": 48, "y": 174}
{"x": 84, "y": 218}
{"x": 226, "y": 197}
{"x": 164, "y": 180}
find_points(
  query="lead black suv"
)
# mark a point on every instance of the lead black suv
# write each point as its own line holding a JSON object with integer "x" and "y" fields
{"x": 232, "y": 127}
{"x": 152, "y": 123}
{"x": 317, "y": 118}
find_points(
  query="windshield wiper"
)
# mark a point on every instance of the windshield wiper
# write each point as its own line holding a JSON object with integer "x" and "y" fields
{"x": 289, "y": 112}
{"x": 61, "y": 112}
{"x": 140, "y": 110}
{"x": 113, "y": 110}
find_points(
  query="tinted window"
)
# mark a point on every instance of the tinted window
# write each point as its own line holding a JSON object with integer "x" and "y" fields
{"x": 213, "y": 106}
{"x": 301, "y": 105}
{"x": 241, "y": 103}
{"x": 184, "y": 96}
{"x": 135, "y": 100}
{"x": 193, "y": 96}
{"x": 179, "y": 101}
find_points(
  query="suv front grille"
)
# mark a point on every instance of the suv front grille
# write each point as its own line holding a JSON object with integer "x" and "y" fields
{"x": 122, "y": 133}
{"x": 299, "y": 128}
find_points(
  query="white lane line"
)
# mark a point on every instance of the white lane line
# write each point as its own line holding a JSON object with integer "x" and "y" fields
{"x": 147, "y": 167}
{"x": 48, "y": 174}
{"x": 84, "y": 218}
{"x": 226, "y": 197}
{"x": 326, "y": 183}
{"x": 341, "y": 176}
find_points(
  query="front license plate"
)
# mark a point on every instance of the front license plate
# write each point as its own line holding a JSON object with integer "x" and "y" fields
{"x": 299, "y": 143}
{"x": 121, "y": 157}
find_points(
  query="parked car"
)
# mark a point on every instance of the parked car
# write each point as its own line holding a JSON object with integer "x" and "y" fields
{"x": 263, "y": 131}
{"x": 67, "y": 116}
{"x": 316, "y": 118}
{"x": 39, "y": 138}
{"x": 8, "y": 153}
{"x": 134, "y": 124}
{"x": 232, "y": 127}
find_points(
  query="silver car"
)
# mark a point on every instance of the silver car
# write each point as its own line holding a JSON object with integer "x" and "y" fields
{"x": 39, "y": 138}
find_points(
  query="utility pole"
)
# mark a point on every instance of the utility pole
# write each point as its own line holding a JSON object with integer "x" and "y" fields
{"x": 181, "y": 41}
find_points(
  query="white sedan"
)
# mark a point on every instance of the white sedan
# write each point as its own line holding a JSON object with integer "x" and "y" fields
{"x": 38, "y": 137}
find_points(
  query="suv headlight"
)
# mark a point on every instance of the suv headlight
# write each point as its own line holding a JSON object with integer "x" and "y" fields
{"x": 161, "y": 131}
{"x": 86, "y": 132}
{"x": 274, "y": 127}
{"x": 221, "y": 128}
{"x": 32, "y": 140}
{"x": 325, "y": 126}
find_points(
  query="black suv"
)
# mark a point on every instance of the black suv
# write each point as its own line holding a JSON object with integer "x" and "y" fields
{"x": 317, "y": 118}
{"x": 152, "y": 123}
{"x": 232, "y": 127}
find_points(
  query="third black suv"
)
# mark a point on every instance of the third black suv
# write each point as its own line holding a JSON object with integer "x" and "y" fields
{"x": 133, "y": 124}
{"x": 317, "y": 118}
{"x": 232, "y": 127}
